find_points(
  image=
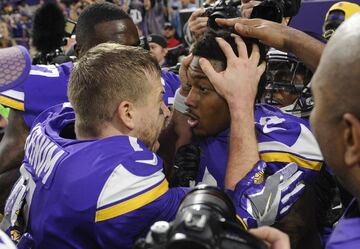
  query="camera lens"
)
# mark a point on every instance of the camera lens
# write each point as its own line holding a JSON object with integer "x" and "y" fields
{"x": 211, "y": 22}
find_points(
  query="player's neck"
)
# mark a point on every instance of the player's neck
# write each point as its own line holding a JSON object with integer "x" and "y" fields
{"x": 105, "y": 131}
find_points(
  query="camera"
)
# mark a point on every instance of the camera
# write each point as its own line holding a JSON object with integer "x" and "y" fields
{"x": 275, "y": 10}
{"x": 206, "y": 219}
{"x": 272, "y": 10}
{"x": 221, "y": 9}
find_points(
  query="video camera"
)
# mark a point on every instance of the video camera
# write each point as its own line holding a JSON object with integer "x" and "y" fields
{"x": 206, "y": 219}
{"x": 272, "y": 10}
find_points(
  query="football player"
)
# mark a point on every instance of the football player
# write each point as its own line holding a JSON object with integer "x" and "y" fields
{"x": 337, "y": 14}
{"x": 46, "y": 86}
{"x": 267, "y": 134}
{"x": 336, "y": 125}
{"x": 287, "y": 83}
{"x": 90, "y": 177}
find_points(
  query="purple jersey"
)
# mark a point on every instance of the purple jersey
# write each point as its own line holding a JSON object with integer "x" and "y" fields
{"x": 100, "y": 193}
{"x": 171, "y": 83}
{"x": 46, "y": 86}
{"x": 347, "y": 232}
{"x": 282, "y": 138}
{"x": 92, "y": 193}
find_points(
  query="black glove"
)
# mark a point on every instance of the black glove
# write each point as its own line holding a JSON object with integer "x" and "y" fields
{"x": 186, "y": 164}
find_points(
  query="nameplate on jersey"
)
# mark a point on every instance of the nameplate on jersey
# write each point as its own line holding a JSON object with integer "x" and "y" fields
{"x": 42, "y": 155}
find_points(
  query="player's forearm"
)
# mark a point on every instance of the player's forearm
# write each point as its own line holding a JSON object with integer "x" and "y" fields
{"x": 243, "y": 151}
{"x": 11, "y": 156}
{"x": 307, "y": 48}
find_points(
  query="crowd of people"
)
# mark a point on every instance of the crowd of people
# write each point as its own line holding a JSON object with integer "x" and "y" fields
{"x": 113, "y": 121}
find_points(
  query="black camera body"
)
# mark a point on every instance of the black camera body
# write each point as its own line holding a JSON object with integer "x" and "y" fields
{"x": 206, "y": 219}
{"x": 222, "y": 9}
{"x": 272, "y": 10}
{"x": 275, "y": 10}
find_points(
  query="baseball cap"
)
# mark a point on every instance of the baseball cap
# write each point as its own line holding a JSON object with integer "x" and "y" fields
{"x": 158, "y": 39}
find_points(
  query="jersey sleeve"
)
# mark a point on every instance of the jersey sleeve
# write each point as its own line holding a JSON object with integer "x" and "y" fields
{"x": 134, "y": 197}
{"x": 15, "y": 65}
{"x": 46, "y": 86}
{"x": 283, "y": 138}
{"x": 171, "y": 83}
{"x": 13, "y": 98}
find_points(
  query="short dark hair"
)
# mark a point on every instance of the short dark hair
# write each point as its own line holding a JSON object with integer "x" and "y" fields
{"x": 48, "y": 28}
{"x": 208, "y": 47}
{"x": 95, "y": 14}
{"x": 104, "y": 77}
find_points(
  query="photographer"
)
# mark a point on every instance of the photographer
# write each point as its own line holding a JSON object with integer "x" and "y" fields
{"x": 48, "y": 35}
{"x": 335, "y": 118}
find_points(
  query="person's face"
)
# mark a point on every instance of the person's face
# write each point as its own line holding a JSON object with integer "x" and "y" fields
{"x": 208, "y": 113}
{"x": 120, "y": 31}
{"x": 169, "y": 32}
{"x": 157, "y": 52}
{"x": 123, "y": 32}
{"x": 185, "y": 3}
{"x": 327, "y": 129}
{"x": 284, "y": 96}
{"x": 152, "y": 114}
{"x": 147, "y": 4}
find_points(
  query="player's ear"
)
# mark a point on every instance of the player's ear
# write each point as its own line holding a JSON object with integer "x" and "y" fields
{"x": 126, "y": 114}
{"x": 352, "y": 140}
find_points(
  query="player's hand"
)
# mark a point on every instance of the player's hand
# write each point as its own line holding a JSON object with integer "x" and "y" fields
{"x": 263, "y": 201}
{"x": 247, "y": 6}
{"x": 238, "y": 83}
{"x": 185, "y": 63}
{"x": 269, "y": 33}
{"x": 275, "y": 239}
{"x": 197, "y": 23}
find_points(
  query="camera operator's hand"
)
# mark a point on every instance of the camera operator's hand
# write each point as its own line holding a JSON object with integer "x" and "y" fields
{"x": 238, "y": 83}
{"x": 197, "y": 23}
{"x": 263, "y": 202}
{"x": 247, "y": 6}
{"x": 274, "y": 238}
{"x": 278, "y": 36}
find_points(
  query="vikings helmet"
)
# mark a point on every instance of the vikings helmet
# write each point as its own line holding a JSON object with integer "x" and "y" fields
{"x": 288, "y": 83}
{"x": 338, "y": 13}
